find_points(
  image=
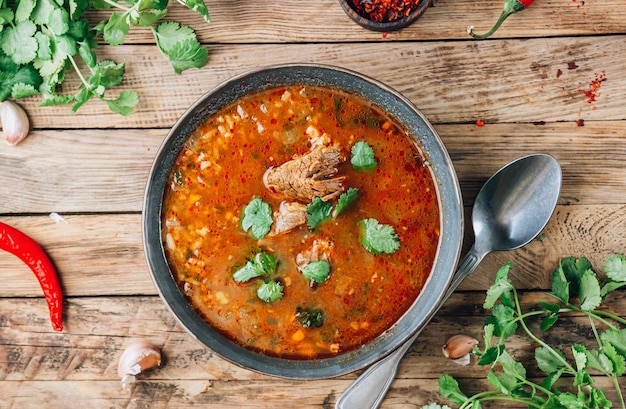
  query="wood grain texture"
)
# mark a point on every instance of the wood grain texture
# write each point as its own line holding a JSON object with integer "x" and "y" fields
{"x": 107, "y": 170}
{"x": 508, "y": 81}
{"x": 321, "y": 21}
{"x": 527, "y": 83}
{"x": 182, "y": 394}
{"x": 110, "y": 258}
{"x": 80, "y": 365}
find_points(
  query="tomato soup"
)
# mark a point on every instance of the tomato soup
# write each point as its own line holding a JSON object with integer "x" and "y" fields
{"x": 301, "y": 222}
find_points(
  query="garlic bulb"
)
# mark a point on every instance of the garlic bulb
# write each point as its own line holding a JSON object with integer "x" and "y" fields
{"x": 15, "y": 123}
{"x": 458, "y": 348}
{"x": 136, "y": 358}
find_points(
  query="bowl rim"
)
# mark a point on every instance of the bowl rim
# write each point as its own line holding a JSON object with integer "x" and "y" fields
{"x": 395, "y": 25}
{"x": 426, "y": 303}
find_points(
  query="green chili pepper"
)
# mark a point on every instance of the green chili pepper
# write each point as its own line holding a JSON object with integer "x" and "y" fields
{"x": 510, "y": 7}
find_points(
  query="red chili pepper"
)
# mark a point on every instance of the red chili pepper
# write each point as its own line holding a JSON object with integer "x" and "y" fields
{"x": 510, "y": 7}
{"x": 31, "y": 253}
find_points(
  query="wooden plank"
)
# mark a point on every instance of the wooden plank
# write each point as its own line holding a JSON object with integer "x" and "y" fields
{"x": 175, "y": 394}
{"x": 110, "y": 260}
{"x": 98, "y": 329}
{"x": 80, "y": 364}
{"x": 94, "y": 172}
{"x": 451, "y": 82}
{"x": 107, "y": 171}
{"x": 181, "y": 394}
{"x": 291, "y": 21}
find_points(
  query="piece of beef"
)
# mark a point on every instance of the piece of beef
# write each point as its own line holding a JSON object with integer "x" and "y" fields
{"x": 321, "y": 249}
{"x": 309, "y": 176}
{"x": 288, "y": 216}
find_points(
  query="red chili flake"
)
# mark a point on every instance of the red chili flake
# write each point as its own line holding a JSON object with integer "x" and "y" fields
{"x": 480, "y": 122}
{"x": 559, "y": 73}
{"x": 385, "y": 10}
{"x": 580, "y": 122}
{"x": 571, "y": 65}
{"x": 594, "y": 86}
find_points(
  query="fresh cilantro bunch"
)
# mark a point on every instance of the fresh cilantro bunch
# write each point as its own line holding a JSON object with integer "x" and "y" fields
{"x": 40, "y": 40}
{"x": 576, "y": 288}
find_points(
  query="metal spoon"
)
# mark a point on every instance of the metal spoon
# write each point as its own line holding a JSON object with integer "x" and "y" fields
{"x": 510, "y": 210}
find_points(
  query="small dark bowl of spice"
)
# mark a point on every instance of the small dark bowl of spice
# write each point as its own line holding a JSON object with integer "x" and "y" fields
{"x": 384, "y": 15}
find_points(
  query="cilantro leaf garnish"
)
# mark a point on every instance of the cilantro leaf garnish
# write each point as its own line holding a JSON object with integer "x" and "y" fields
{"x": 257, "y": 217}
{"x": 180, "y": 45}
{"x": 573, "y": 268}
{"x": 589, "y": 291}
{"x": 501, "y": 286}
{"x": 200, "y": 7}
{"x": 378, "y": 238}
{"x": 615, "y": 267}
{"x": 449, "y": 388}
{"x": 362, "y": 156}
{"x": 116, "y": 28}
{"x": 270, "y": 291}
{"x": 19, "y": 42}
{"x": 266, "y": 262}
{"x": 345, "y": 199}
{"x": 262, "y": 264}
{"x": 247, "y": 272}
{"x": 15, "y": 77}
{"x": 318, "y": 271}
{"x": 310, "y": 317}
{"x": 317, "y": 211}
{"x": 124, "y": 103}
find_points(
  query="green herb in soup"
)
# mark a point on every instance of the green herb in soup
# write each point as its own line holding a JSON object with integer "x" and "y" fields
{"x": 301, "y": 221}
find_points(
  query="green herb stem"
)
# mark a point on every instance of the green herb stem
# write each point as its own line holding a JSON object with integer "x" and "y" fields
{"x": 80, "y": 75}
{"x": 118, "y": 5}
{"x": 566, "y": 364}
{"x": 594, "y": 314}
{"x": 619, "y": 390}
{"x": 479, "y": 397}
{"x": 501, "y": 398}
{"x": 594, "y": 329}
{"x": 535, "y": 386}
{"x": 598, "y": 313}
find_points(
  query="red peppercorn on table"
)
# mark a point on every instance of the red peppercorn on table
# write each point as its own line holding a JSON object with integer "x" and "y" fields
{"x": 552, "y": 79}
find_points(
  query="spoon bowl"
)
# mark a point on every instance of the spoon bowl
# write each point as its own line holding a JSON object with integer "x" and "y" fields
{"x": 510, "y": 210}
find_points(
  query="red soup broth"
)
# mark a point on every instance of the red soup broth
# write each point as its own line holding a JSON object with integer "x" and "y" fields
{"x": 220, "y": 169}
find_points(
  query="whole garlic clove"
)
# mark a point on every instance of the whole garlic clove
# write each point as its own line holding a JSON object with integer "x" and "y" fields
{"x": 15, "y": 123}
{"x": 136, "y": 358}
{"x": 458, "y": 346}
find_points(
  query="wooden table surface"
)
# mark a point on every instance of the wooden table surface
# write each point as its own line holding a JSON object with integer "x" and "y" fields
{"x": 527, "y": 83}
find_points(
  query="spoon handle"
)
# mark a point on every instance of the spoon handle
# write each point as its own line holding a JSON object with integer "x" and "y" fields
{"x": 370, "y": 388}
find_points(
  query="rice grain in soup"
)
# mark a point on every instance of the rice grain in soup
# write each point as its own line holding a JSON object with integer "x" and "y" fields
{"x": 301, "y": 222}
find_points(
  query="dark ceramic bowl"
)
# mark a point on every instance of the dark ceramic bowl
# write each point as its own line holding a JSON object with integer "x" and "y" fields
{"x": 379, "y": 94}
{"x": 348, "y": 7}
